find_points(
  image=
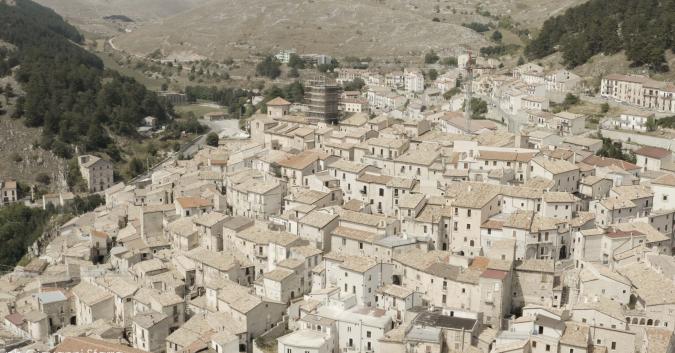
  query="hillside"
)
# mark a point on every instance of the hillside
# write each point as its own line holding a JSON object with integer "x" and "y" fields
{"x": 223, "y": 28}
{"x": 98, "y": 16}
{"x": 644, "y": 29}
{"x": 67, "y": 90}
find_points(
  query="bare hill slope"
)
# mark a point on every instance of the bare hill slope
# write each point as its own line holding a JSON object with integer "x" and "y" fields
{"x": 89, "y": 15}
{"x": 238, "y": 28}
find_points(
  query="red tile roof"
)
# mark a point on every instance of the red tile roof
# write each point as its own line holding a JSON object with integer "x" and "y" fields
{"x": 85, "y": 344}
{"x": 278, "y": 102}
{"x": 606, "y": 162}
{"x": 494, "y": 274}
{"x": 653, "y": 152}
{"x": 16, "y": 319}
{"x": 193, "y": 202}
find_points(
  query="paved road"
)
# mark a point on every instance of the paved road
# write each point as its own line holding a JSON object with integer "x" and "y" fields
{"x": 217, "y": 126}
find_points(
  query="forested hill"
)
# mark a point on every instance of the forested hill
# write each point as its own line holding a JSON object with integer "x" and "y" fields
{"x": 68, "y": 91}
{"x": 645, "y": 29}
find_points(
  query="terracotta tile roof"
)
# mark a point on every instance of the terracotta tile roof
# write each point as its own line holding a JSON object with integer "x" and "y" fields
{"x": 278, "y": 101}
{"x": 653, "y": 152}
{"x": 606, "y": 162}
{"x": 192, "y": 202}
{"x": 84, "y": 344}
{"x": 667, "y": 179}
{"x": 300, "y": 161}
{"x": 494, "y": 274}
{"x": 506, "y": 156}
{"x": 16, "y": 319}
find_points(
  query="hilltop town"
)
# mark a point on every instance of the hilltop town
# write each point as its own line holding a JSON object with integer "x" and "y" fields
{"x": 391, "y": 218}
{"x": 275, "y": 176}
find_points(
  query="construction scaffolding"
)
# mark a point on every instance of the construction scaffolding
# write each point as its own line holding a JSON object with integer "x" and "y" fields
{"x": 322, "y": 99}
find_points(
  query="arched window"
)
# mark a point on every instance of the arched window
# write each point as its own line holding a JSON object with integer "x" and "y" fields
{"x": 642, "y": 321}
{"x": 650, "y": 322}
{"x": 635, "y": 321}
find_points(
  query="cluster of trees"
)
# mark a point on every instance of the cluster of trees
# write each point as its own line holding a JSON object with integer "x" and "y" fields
{"x": 450, "y": 61}
{"x": 614, "y": 149}
{"x": 293, "y": 92}
{"x": 452, "y": 92}
{"x": 354, "y": 85}
{"x": 268, "y": 67}
{"x": 68, "y": 92}
{"x": 645, "y": 29}
{"x": 477, "y": 26}
{"x": 329, "y": 67}
{"x": 8, "y": 60}
{"x": 212, "y": 139}
{"x": 356, "y": 62}
{"x": 432, "y": 74}
{"x": 496, "y": 51}
{"x": 233, "y": 98}
{"x": 479, "y": 108}
{"x": 431, "y": 57}
{"x": 667, "y": 122}
{"x": 21, "y": 225}
{"x": 569, "y": 101}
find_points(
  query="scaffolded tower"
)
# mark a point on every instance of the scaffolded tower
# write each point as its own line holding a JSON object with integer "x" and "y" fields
{"x": 322, "y": 98}
{"x": 468, "y": 90}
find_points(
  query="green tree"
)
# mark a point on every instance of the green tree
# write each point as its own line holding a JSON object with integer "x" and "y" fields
{"x": 432, "y": 74}
{"x": 497, "y": 36}
{"x": 354, "y": 85}
{"x": 268, "y": 67}
{"x": 431, "y": 57}
{"x": 476, "y": 26}
{"x": 614, "y": 149}
{"x": 294, "y": 92}
{"x": 43, "y": 178}
{"x": 8, "y": 91}
{"x": 479, "y": 108}
{"x": 212, "y": 139}
{"x": 651, "y": 124}
{"x": 135, "y": 167}
{"x": 570, "y": 100}
{"x": 521, "y": 61}
{"x": 451, "y": 93}
{"x": 329, "y": 67}
{"x": 294, "y": 61}
{"x": 604, "y": 108}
